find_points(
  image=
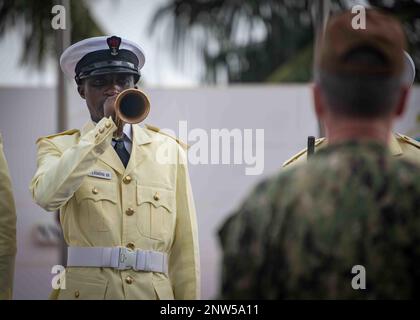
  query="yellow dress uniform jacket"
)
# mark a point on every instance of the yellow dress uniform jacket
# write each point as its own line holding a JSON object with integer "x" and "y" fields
{"x": 7, "y": 230}
{"x": 148, "y": 206}
{"x": 399, "y": 145}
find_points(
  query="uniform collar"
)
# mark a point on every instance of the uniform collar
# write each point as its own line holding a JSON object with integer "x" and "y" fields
{"x": 140, "y": 135}
{"x": 128, "y": 132}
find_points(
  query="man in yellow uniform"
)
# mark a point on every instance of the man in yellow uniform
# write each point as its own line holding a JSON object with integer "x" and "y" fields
{"x": 399, "y": 145}
{"x": 127, "y": 216}
{"x": 7, "y": 230}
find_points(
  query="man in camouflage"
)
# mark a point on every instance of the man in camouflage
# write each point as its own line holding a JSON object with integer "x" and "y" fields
{"x": 299, "y": 235}
{"x": 399, "y": 145}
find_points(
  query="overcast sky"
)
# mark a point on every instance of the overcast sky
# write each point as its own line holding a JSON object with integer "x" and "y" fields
{"x": 126, "y": 18}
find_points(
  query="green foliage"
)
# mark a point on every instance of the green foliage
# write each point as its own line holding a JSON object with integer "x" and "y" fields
{"x": 247, "y": 39}
{"x": 261, "y": 40}
{"x": 297, "y": 69}
{"x": 38, "y": 35}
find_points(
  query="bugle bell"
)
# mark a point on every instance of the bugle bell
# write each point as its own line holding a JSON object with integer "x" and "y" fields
{"x": 132, "y": 106}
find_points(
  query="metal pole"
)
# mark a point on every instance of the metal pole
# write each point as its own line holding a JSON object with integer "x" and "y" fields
{"x": 320, "y": 15}
{"x": 63, "y": 40}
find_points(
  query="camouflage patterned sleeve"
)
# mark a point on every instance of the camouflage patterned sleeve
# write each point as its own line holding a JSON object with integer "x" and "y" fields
{"x": 299, "y": 235}
{"x": 242, "y": 239}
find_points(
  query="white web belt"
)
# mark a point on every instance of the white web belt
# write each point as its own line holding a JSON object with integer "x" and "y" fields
{"x": 120, "y": 258}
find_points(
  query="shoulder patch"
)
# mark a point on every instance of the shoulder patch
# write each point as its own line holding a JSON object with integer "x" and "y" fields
{"x": 64, "y": 133}
{"x": 156, "y": 129}
{"x": 302, "y": 152}
{"x": 407, "y": 139}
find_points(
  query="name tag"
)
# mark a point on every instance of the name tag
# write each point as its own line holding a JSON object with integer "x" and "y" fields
{"x": 101, "y": 174}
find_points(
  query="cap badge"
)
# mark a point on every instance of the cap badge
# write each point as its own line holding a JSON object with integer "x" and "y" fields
{"x": 113, "y": 44}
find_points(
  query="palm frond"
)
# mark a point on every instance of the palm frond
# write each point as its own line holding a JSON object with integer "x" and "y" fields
{"x": 34, "y": 17}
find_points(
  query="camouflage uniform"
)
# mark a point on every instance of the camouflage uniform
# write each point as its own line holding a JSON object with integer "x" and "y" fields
{"x": 299, "y": 234}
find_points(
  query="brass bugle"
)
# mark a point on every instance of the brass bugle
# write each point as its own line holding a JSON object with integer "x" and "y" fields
{"x": 132, "y": 106}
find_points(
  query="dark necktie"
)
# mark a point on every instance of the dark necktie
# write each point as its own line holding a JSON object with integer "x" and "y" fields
{"x": 122, "y": 152}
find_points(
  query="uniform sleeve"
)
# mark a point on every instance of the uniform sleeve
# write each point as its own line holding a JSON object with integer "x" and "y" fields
{"x": 7, "y": 230}
{"x": 184, "y": 261}
{"x": 59, "y": 175}
{"x": 242, "y": 240}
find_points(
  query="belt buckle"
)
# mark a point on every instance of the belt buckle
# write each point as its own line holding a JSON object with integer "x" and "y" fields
{"x": 127, "y": 259}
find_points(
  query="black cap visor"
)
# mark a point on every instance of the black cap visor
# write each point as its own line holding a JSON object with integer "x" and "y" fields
{"x": 103, "y": 62}
{"x": 109, "y": 70}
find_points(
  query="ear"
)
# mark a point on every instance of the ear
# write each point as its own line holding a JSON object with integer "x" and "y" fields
{"x": 81, "y": 90}
{"x": 318, "y": 101}
{"x": 402, "y": 102}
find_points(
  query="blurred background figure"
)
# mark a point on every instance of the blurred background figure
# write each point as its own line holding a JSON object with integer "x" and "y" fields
{"x": 7, "y": 229}
{"x": 399, "y": 145}
{"x": 303, "y": 233}
{"x": 213, "y": 64}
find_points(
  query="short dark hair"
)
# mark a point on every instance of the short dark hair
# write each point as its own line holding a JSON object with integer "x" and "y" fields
{"x": 361, "y": 95}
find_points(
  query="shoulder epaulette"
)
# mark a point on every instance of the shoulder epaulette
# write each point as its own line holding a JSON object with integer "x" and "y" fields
{"x": 408, "y": 139}
{"x": 302, "y": 152}
{"x": 156, "y": 129}
{"x": 64, "y": 133}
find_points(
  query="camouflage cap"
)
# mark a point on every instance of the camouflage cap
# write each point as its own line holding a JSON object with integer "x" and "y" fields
{"x": 382, "y": 33}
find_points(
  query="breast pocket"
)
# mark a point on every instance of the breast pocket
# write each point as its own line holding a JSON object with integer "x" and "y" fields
{"x": 156, "y": 212}
{"x": 97, "y": 202}
{"x": 80, "y": 287}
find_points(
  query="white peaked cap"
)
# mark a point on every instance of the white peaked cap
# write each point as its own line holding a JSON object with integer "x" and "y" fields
{"x": 73, "y": 54}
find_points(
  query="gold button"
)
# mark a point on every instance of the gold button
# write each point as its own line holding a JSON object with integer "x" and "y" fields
{"x": 101, "y": 130}
{"x": 129, "y": 211}
{"x": 131, "y": 246}
{"x": 76, "y": 294}
{"x": 108, "y": 124}
{"x": 156, "y": 196}
{"x": 95, "y": 191}
{"x": 129, "y": 280}
{"x": 127, "y": 179}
